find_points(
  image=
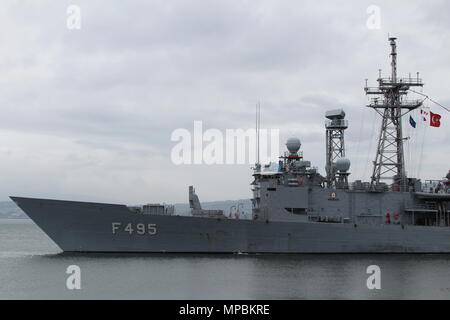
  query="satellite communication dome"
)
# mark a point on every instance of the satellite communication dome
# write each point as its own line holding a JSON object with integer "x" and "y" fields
{"x": 293, "y": 145}
{"x": 343, "y": 164}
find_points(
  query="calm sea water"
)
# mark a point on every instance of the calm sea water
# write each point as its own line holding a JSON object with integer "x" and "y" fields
{"x": 32, "y": 267}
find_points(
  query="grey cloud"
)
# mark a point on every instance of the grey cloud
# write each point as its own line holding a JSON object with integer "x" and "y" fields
{"x": 137, "y": 70}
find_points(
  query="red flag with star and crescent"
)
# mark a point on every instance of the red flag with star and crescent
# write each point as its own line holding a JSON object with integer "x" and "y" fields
{"x": 435, "y": 120}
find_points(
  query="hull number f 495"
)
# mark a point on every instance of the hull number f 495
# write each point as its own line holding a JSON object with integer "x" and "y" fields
{"x": 134, "y": 228}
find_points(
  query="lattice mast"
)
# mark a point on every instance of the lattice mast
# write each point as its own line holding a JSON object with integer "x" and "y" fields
{"x": 335, "y": 142}
{"x": 390, "y": 102}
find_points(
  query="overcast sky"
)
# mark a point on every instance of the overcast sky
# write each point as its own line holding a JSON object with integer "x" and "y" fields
{"x": 87, "y": 114}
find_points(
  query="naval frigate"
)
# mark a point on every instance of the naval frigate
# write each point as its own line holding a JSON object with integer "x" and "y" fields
{"x": 294, "y": 208}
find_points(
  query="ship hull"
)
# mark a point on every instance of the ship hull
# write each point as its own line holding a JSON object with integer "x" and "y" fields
{"x": 94, "y": 227}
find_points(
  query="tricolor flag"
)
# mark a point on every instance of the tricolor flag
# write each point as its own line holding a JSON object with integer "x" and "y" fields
{"x": 412, "y": 122}
{"x": 435, "y": 120}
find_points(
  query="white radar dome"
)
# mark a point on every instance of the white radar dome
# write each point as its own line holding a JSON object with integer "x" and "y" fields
{"x": 343, "y": 164}
{"x": 293, "y": 145}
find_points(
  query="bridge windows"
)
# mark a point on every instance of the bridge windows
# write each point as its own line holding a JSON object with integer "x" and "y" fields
{"x": 297, "y": 211}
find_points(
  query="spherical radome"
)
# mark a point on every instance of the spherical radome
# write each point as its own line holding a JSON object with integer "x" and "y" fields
{"x": 343, "y": 164}
{"x": 293, "y": 145}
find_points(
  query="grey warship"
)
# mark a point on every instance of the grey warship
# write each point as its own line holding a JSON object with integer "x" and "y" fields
{"x": 294, "y": 208}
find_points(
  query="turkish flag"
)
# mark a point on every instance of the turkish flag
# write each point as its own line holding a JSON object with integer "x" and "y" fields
{"x": 435, "y": 120}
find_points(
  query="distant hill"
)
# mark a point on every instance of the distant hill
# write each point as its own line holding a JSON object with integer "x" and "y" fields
{"x": 9, "y": 210}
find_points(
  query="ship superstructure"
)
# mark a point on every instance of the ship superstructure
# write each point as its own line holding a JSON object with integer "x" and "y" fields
{"x": 297, "y": 192}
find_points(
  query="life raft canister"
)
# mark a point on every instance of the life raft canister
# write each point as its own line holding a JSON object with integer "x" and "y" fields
{"x": 388, "y": 218}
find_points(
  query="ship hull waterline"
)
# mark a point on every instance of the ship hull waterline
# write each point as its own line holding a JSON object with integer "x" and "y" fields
{"x": 102, "y": 228}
